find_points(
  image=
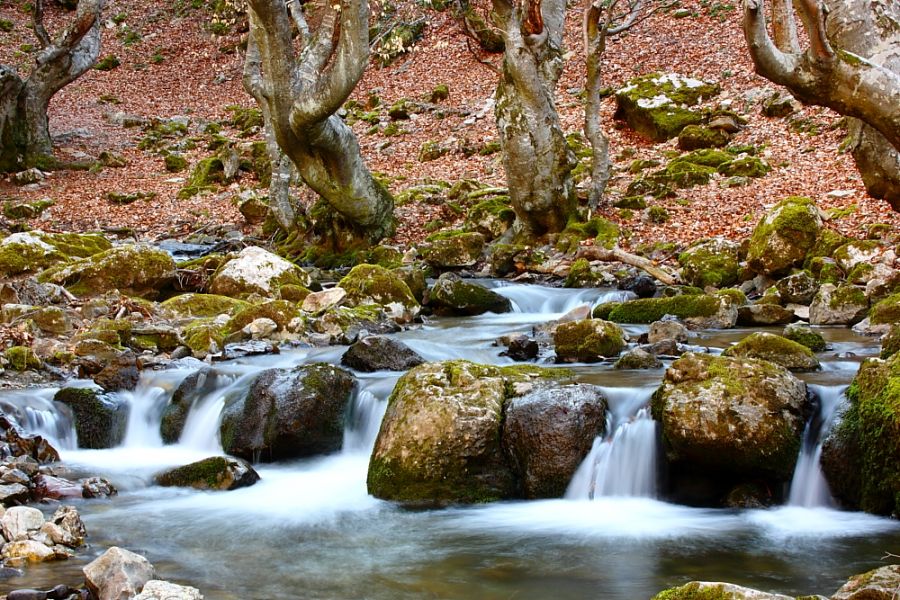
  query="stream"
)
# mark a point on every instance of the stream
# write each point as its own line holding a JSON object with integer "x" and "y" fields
{"x": 308, "y": 529}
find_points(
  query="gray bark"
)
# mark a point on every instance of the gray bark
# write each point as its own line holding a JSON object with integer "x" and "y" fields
{"x": 861, "y": 79}
{"x": 537, "y": 160}
{"x": 24, "y": 127}
{"x": 299, "y": 92}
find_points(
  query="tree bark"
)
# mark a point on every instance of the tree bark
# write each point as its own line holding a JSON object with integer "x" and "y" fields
{"x": 537, "y": 160}
{"x": 24, "y": 125}
{"x": 299, "y": 92}
{"x": 595, "y": 32}
{"x": 861, "y": 79}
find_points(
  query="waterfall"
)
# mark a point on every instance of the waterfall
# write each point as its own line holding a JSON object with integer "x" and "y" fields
{"x": 536, "y": 299}
{"x": 201, "y": 428}
{"x": 35, "y": 413}
{"x": 808, "y": 486}
{"x": 625, "y": 462}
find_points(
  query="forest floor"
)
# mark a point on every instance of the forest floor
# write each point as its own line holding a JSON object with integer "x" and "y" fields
{"x": 172, "y": 65}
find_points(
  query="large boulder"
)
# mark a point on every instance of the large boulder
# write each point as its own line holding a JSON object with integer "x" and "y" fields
{"x": 729, "y": 420}
{"x": 589, "y": 340}
{"x": 214, "y": 473}
{"x": 861, "y": 456}
{"x": 134, "y": 269}
{"x": 548, "y": 432}
{"x": 118, "y": 574}
{"x": 655, "y": 105}
{"x": 288, "y": 414}
{"x": 450, "y": 295}
{"x": 700, "y": 310}
{"x": 203, "y": 305}
{"x": 440, "y": 440}
{"x": 775, "y": 349}
{"x": 256, "y": 271}
{"x": 783, "y": 237}
{"x": 799, "y": 288}
{"x": 453, "y": 250}
{"x": 886, "y": 311}
{"x": 838, "y": 305}
{"x": 371, "y": 284}
{"x": 714, "y": 590}
{"x": 878, "y": 584}
{"x": 100, "y": 421}
{"x": 31, "y": 251}
{"x": 712, "y": 262}
{"x": 379, "y": 353}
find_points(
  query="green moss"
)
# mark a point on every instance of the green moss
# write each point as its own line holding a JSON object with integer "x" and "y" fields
{"x": 747, "y": 166}
{"x": 861, "y": 273}
{"x": 581, "y": 275}
{"x": 694, "y": 137}
{"x": 280, "y": 311}
{"x": 827, "y": 242}
{"x": 604, "y": 233}
{"x": 206, "y": 175}
{"x": 734, "y": 295}
{"x": 432, "y": 150}
{"x": 825, "y": 270}
{"x": 659, "y": 120}
{"x": 886, "y": 311}
{"x": 22, "y": 358}
{"x": 107, "y": 63}
{"x": 782, "y": 239}
{"x": 134, "y": 270}
{"x": 775, "y": 349}
{"x": 175, "y": 162}
{"x": 293, "y": 293}
{"x": 648, "y": 310}
{"x": 246, "y": 120}
{"x": 589, "y": 340}
{"x": 203, "y": 305}
{"x": 657, "y": 214}
{"x": 890, "y": 343}
{"x": 202, "y": 335}
{"x": 367, "y": 284}
{"x": 806, "y": 336}
{"x": 207, "y": 474}
{"x": 440, "y": 93}
{"x": 693, "y": 591}
{"x": 848, "y": 294}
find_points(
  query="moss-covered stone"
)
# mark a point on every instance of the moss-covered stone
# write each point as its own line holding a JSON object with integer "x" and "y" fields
{"x": 695, "y": 137}
{"x": 856, "y": 252}
{"x": 99, "y": 420}
{"x": 654, "y": 104}
{"x": 806, "y": 336}
{"x": 281, "y": 312}
{"x": 604, "y": 233}
{"x": 838, "y": 305}
{"x": 26, "y": 210}
{"x": 256, "y": 271}
{"x": 827, "y": 242}
{"x": 825, "y": 270}
{"x": 204, "y": 336}
{"x": 440, "y": 440}
{"x": 175, "y": 162}
{"x": 648, "y": 310}
{"x": 783, "y": 237}
{"x": 203, "y": 305}
{"x": 589, "y": 340}
{"x": 745, "y": 166}
{"x": 861, "y": 457}
{"x": 371, "y": 284}
{"x": 35, "y": 250}
{"x": 890, "y": 343}
{"x": 206, "y": 175}
{"x": 582, "y": 276}
{"x": 707, "y": 590}
{"x": 491, "y": 217}
{"x": 450, "y": 295}
{"x": 214, "y": 473}
{"x": 775, "y": 349}
{"x": 137, "y": 270}
{"x": 713, "y": 262}
{"x": 886, "y": 311}
{"x": 456, "y": 249}
{"x": 22, "y": 358}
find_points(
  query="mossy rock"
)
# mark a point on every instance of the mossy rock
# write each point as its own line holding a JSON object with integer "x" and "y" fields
{"x": 582, "y": 276}
{"x": 856, "y": 252}
{"x": 214, "y": 473}
{"x": 827, "y": 242}
{"x": 206, "y": 175}
{"x": 414, "y": 276}
{"x": 604, "y": 233}
{"x": 838, "y": 305}
{"x": 806, "y": 336}
{"x": 491, "y": 217}
{"x": 861, "y": 456}
{"x": 890, "y": 343}
{"x": 653, "y": 104}
{"x": 440, "y": 439}
{"x": 22, "y": 358}
{"x": 385, "y": 256}
{"x": 886, "y": 311}
{"x": 732, "y": 417}
{"x": 293, "y": 293}
{"x": 696, "y": 137}
{"x": 26, "y": 210}
{"x": 648, "y": 310}
{"x": 775, "y": 349}
{"x": 710, "y": 263}
{"x": 204, "y": 336}
{"x": 706, "y": 590}
{"x": 203, "y": 305}
{"x": 589, "y": 340}
{"x": 175, "y": 162}
{"x": 372, "y": 284}
{"x": 784, "y": 236}
{"x": 137, "y": 270}
{"x": 825, "y": 270}
{"x": 99, "y": 420}
{"x": 745, "y": 166}
{"x": 457, "y": 249}
{"x": 32, "y": 251}
{"x": 281, "y": 312}
{"x": 638, "y": 359}
{"x": 256, "y": 271}
{"x": 450, "y": 295}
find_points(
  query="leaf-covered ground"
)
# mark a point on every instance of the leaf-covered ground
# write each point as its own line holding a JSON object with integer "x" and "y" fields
{"x": 172, "y": 64}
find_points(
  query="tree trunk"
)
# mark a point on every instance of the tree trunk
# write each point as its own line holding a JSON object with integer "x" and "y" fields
{"x": 536, "y": 157}
{"x": 595, "y": 32}
{"x": 871, "y": 31}
{"x": 24, "y": 124}
{"x": 299, "y": 94}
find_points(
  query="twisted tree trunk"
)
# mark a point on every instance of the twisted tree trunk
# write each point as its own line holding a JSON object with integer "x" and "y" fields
{"x": 299, "y": 92}
{"x": 536, "y": 157}
{"x": 860, "y": 79}
{"x": 24, "y": 127}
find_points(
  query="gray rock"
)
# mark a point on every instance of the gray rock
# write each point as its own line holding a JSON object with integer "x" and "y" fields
{"x": 764, "y": 314}
{"x": 100, "y": 421}
{"x": 450, "y": 295}
{"x": 844, "y": 305}
{"x": 798, "y": 288}
{"x": 118, "y": 574}
{"x": 21, "y": 522}
{"x": 638, "y": 359}
{"x": 163, "y": 590}
{"x": 379, "y": 353}
{"x": 878, "y": 584}
{"x": 667, "y": 330}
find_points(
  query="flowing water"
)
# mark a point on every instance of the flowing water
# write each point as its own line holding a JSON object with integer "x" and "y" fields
{"x": 308, "y": 529}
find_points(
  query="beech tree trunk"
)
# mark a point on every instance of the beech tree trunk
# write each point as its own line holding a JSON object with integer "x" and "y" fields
{"x": 537, "y": 160}
{"x": 299, "y": 90}
{"x": 852, "y": 66}
{"x": 24, "y": 126}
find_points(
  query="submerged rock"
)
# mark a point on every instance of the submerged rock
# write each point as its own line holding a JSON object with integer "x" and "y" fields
{"x": 118, "y": 574}
{"x": 450, "y": 295}
{"x": 288, "y": 414}
{"x": 547, "y": 434}
{"x": 214, "y": 473}
{"x": 379, "y": 353}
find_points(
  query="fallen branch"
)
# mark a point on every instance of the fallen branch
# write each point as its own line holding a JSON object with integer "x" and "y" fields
{"x": 618, "y": 255}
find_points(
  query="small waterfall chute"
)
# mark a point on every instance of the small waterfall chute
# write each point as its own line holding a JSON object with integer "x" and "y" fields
{"x": 808, "y": 486}
{"x": 35, "y": 412}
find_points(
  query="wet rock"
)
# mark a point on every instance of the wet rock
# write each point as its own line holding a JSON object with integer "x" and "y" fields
{"x": 214, "y": 473}
{"x": 244, "y": 349}
{"x": 838, "y": 305}
{"x": 379, "y": 353}
{"x": 345, "y": 325}
{"x": 798, "y": 288}
{"x": 28, "y": 451}
{"x": 97, "y": 487}
{"x": 163, "y": 590}
{"x": 118, "y": 574}
{"x": 31, "y": 551}
{"x": 878, "y": 584}
{"x": 120, "y": 373}
{"x": 56, "y": 488}
{"x": 589, "y": 340}
{"x": 450, "y": 295}
{"x": 547, "y": 434}
{"x": 764, "y": 314}
{"x": 663, "y": 348}
{"x": 256, "y": 271}
{"x": 638, "y": 359}
{"x": 100, "y": 421}
{"x": 642, "y": 285}
{"x": 261, "y": 328}
{"x": 440, "y": 440}
{"x": 783, "y": 237}
{"x": 194, "y": 387}
{"x": 288, "y": 413}
{"x": 59, "y": 592}
{"x": 371, "y": 284}
{"x": 521, "y": 348}
{"x": 729, "y": 420}
{"x": 669, "y": 329}
{"x": 65, "y": 527}
{"x": 579, "y": 313}
{"x": 710, "y": 589}
{"x": 805, "y": 335}
{"x": 775, "y": 349}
